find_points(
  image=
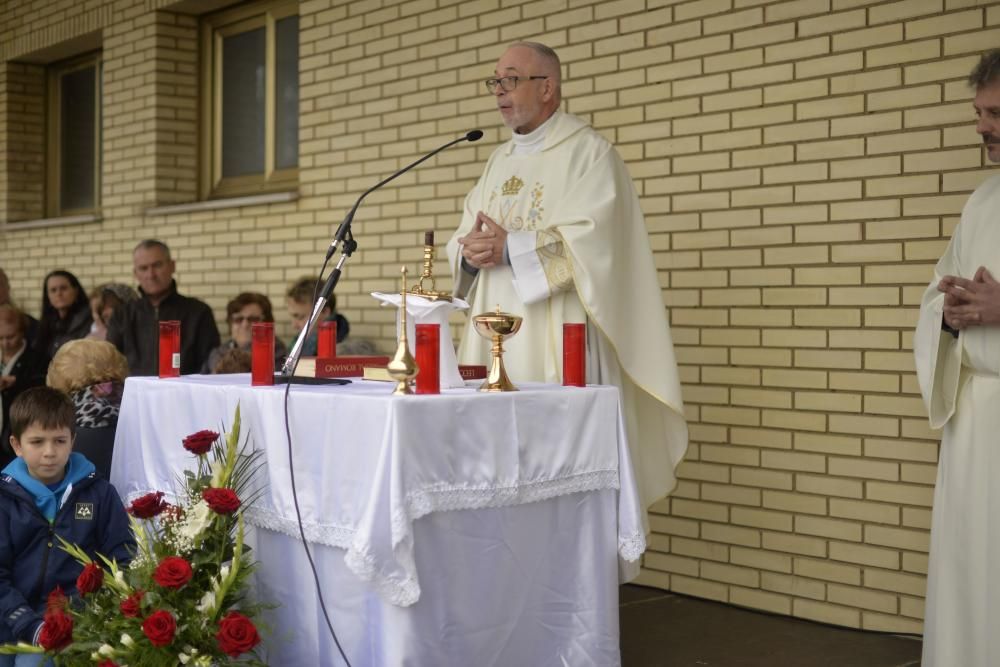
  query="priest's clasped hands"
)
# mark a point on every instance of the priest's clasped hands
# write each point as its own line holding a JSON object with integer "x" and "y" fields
{"x": 483, "y": 247}
{"x": 971, "y": 302}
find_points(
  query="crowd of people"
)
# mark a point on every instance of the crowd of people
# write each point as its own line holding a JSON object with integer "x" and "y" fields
{"x": 86, "y": 344}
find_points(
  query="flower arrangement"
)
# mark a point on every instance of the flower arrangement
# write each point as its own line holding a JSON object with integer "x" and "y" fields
{"x": 182, "y": 600}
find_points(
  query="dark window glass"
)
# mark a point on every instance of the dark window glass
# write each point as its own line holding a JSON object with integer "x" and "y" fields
{"x": 243, "y": 90}
{"x": 77, "y": 140}
{"x": 286, "y": 107}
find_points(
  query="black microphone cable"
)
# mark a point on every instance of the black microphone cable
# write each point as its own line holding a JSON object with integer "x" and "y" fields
{"x": 344, "y": 231}
{"x": 302, "y": 533}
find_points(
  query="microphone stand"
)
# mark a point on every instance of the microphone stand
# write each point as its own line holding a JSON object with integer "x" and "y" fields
{"x": 343, "y": 237}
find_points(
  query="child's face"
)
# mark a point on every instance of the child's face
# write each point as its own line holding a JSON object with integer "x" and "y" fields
{"x": 299, "y": 312}
{"x": 45, "y": 451}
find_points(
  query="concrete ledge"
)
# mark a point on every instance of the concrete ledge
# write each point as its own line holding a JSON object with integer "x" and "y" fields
{"x": 53, "y": 222}
{"x": 232, "y": 202}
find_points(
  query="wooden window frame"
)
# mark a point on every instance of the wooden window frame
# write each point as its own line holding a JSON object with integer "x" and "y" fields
{"x": 214, "y": 29}
{"x": 53, "y": 134}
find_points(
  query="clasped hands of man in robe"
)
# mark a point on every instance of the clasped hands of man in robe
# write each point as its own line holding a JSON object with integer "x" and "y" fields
{"x": 971, "y": 302}
{"x": 483, "y": 247}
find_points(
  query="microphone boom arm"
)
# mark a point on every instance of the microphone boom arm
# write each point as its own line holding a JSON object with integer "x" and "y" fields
{"x": 344, "y": 236}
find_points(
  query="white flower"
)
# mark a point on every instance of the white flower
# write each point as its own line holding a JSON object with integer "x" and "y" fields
{"x": 197, "y": 519}
{"x": 127, "y": 640}
{"x": 207, "y": 604}
{"x": 120, "y": 577}
{"x": 223, "y": 573}
{"x": 184, "y": 658}
{"x": 106, "y": 650}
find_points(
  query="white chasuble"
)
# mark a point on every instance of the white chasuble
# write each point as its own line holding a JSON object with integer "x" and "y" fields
{"x": 580, "y": 253}
{"x": 960, "y": 383}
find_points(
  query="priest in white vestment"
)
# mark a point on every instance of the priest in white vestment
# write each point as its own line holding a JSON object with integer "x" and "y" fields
{"x": 553, "y": 232}
{"x": 957, "y": 350}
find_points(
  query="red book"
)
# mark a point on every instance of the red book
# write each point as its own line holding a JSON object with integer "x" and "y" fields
{"x": 347, "y": 366}
{"x": 472, "y": 372}
{"x": 467, "y": 372}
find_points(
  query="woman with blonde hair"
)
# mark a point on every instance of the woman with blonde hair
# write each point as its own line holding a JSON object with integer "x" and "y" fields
{"x": 92, "y": 372}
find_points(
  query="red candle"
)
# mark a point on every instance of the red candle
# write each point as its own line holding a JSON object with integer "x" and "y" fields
{"x": 262, "y": 353}
{"x": 574, "y": 355}
{"x": 170, "y": 348}
{"x": 428, "y": 358}
{"x": 326, "y": 344}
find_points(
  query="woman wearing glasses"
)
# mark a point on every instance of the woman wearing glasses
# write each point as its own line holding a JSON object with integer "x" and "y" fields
{"x": 242, "y": 313}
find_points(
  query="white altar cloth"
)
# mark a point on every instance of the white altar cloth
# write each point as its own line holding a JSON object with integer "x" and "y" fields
{"x": 374, "y": 475}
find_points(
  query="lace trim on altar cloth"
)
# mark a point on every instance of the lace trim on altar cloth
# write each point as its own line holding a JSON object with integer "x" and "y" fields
{"x": 631, "y": 547}
{"x": 318, "y": 533}
{"x": 327, "y": 534}
{"x": 400, "y": 592}
{"x": 443, "y": 498}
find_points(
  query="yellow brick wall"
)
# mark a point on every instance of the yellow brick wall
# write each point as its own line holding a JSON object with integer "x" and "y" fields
{"x": 801, "y": 164}
{"x": 22, "y": 140}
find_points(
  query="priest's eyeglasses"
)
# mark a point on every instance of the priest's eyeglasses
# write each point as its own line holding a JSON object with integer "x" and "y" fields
{"x": 508, "y": 83}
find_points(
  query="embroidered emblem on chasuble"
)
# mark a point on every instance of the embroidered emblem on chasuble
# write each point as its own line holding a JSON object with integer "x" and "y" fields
{"x": 507, "y": 206}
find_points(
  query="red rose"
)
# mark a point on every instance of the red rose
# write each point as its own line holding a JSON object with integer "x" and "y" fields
{"x": 237, "y": 634}
{"x": 201, "y": 442}
{"x": 172, "y": 572}
{"x": 107, "y": 663}
{"x": 147, "y": 506}
{"x": 90, "y": 579}
{"x": 132, "y": 605}
{"x": 221, "y": 501}
{"x": 56, "y": 601}
{"x": 57, "y": 631}
{"x": 160, "y": 627}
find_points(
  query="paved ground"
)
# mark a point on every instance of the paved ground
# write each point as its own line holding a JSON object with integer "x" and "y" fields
{"x": 662, "y": 629}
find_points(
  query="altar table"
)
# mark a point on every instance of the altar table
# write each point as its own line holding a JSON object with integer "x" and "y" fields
{"x": 464, "y": 529}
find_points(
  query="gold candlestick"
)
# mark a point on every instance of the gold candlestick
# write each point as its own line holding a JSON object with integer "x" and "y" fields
{"x": 428, "y": 274}
{"x": 497, "y": 326}
{"x": 403, "y": 367}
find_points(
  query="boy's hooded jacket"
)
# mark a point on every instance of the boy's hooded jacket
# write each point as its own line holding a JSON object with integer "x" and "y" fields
{"x": 32, "y": 563}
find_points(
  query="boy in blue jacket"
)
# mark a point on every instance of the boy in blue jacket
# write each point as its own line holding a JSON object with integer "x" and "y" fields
{"x": 49, "y": 491}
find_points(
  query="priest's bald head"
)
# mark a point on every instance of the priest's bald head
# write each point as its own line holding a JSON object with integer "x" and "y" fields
{"x": 528, "y": 85}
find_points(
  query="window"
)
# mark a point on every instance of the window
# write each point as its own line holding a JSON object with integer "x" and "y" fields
{"x": 73, "y": 180}
{"x": 250, "y": 100}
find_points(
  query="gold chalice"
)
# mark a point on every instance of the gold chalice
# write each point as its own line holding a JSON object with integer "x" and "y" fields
{"x": 497, "y": 326}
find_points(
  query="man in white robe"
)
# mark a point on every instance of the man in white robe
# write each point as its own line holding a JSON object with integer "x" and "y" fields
{"x": 957, "y": 350}
{"x": 553, "y": 232}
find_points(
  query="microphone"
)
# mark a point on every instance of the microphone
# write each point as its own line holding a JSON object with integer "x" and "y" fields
{"x": 338, "y": 238}
{"x": 344, "y": 231}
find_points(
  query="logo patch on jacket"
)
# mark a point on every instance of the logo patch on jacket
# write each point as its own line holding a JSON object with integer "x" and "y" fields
{"x": 85, "y": 511}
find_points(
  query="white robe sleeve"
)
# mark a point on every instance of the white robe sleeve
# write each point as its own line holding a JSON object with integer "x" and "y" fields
{"x": 529, "y": 276}
{"x": 938, "y": 354}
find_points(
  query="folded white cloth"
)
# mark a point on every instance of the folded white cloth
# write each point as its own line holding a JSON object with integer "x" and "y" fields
{"x": 421, "y": 310}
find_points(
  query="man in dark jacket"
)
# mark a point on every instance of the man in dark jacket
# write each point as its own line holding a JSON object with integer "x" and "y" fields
{"x": 134, "y": 328}
{"x": 48, "y": 492}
